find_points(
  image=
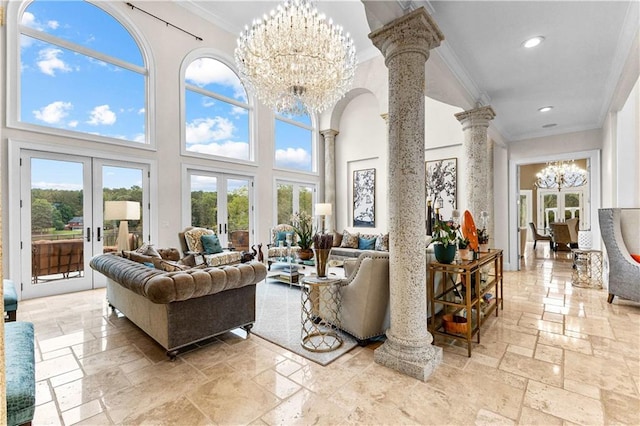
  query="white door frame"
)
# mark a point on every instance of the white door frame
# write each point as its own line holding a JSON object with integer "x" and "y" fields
{"x": 13, "y": 249}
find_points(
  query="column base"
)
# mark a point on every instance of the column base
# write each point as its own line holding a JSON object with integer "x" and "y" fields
{"x": 415, "y": 361}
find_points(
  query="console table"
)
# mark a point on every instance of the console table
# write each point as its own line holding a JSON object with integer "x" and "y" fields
{"x": 471, "y": 291}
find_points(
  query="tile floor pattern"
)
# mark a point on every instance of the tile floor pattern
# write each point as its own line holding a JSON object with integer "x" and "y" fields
{"x": 557, "y": 355}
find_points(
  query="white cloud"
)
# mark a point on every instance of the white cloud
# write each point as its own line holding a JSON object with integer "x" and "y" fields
{"x": 49, "y": 61}
{"x": 102, "y": 115}
{"x": 293, "y": 157}
{"x": 237, "y": 111}
{"x": 29, "y": 20}
{"x": 209, "y": 129}
{"x": 140, "y": 137}
{"x": 96, "y": 61}
{"x": 57, "y": 185}
{"x": 205, "y": 71}
{"x": 73, "y": 124}
{"x": 230, "y": 149}
{"x": 53, "y": 25}
{"x": 207, "y": 102}
{"x": 54, "y": 112}
{"x": 141, "y": 111}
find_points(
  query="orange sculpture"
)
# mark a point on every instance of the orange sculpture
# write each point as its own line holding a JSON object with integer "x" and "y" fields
{"x": 469, "y": 230}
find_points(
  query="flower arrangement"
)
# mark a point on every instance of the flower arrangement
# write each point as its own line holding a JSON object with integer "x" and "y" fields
{"x": 303, "y": 227}
{"x": 483, "y": 236}
{"x": 445, "y": 233}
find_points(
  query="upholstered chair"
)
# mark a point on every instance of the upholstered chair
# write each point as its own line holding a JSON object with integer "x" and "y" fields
{"x": 538, "y": 237}
{"x": 561, "y": 236}
{"x": 574, "y": 226}
{"x": 278, "y": 234}
{"x": 620, "y": 230}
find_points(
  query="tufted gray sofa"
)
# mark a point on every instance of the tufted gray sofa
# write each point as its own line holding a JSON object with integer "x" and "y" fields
{"x": 180, "y": 308}
{"x": 620, "y": 230}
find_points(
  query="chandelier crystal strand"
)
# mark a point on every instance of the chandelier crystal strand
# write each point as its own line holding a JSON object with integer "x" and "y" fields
{"x": 294, "y": 60}
{"x": 560, "y": 174}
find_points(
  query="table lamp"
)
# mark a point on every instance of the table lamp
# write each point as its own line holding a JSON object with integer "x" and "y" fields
{"x": 122, "y": 211}
{"x": 323, "y": 210}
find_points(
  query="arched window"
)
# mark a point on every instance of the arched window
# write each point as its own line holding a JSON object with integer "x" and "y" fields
{"x": 217, "y": 119}
{"x": 294, "y": 143}
{"x": 82, "y": 71}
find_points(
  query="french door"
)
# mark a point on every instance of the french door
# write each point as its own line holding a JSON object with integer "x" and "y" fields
{"x": 224, "y": 203}
{"x": 69, "y": 213}
{"x": 558, "y": 206}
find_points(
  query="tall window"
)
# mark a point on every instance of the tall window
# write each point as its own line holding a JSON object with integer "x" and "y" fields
{"x": 294, "y": 143}
{"x": 294, "y": 197}
{"x": 82, "y": 71}
{"x": 216, "y": 111}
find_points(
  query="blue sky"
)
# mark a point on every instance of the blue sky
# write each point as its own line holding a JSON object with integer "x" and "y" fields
{"x": 67, "y": 175}
{"x": 66, "y": 89}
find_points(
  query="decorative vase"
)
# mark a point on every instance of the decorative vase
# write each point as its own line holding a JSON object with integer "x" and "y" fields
{"x": 322, "y": 256}
{"x": 484, "y": 247}
{"x": 305, "y": 253}
{"x": 445, "y": 254}
{"x": 464, "y": 254}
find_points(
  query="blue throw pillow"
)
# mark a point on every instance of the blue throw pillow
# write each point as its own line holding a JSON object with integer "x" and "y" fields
{"x": 149, "y": 264}
{"x": 281, "y": 236}
{"x": 367, "y": 243}
{"x": 211, "y": 244}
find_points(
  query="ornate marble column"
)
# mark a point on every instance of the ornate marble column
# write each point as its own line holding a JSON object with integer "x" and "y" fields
{"x": 478, "y": 172}
{"x": 405, "y": 44}
{"x": 329, "y": 136}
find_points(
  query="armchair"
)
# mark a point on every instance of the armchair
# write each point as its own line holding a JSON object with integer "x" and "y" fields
{"x": 537, "y": 237}
{"x": 561, "y": 236}
{"x": 191, "y": 245}
{"x": 620, "y": 231}
{"x": 279, "y": 233}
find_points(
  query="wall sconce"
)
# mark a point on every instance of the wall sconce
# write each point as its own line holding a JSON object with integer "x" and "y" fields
{"x": 122, "y": 211}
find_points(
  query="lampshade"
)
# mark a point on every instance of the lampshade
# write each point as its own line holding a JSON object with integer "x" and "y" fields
{"x": 121, "y": 210}
{"x": 323, "y": 209}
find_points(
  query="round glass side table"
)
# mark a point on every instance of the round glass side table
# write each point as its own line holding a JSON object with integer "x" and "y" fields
{"x": 320, "y": 299}
{"x": 587, "y": 268}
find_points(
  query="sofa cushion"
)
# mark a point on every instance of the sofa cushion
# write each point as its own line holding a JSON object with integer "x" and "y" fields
{"x": 138, "y": 257}
{"x": 224, "y": 258}
{"x": 192, "y": 237}
{"x": 337, "y": 238}
{"x": 148, "y": 250}
{"x": 211, "y": 244}
{"x": 366, "y": 243}
{"x": 382, "y": 242}
{"x": 349, "y": 240}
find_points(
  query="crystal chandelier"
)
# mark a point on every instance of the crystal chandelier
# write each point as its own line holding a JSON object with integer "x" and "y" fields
{"x": 295, "y": 60}
{"x": 561, "y": 174}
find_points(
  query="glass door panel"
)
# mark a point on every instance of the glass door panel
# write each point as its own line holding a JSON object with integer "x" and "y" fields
{"x": 204, "y": 201}
{"x": 550, "y": 209}
{"x": 285, "y": 202}
{"x": 56, "y": 230}
{"x": 238, "y": 213}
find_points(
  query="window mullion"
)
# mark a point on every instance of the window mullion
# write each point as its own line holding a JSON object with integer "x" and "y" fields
{"x": 223, "y": 98}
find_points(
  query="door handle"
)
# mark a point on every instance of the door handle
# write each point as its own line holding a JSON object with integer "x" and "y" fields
{"x": 219, "y": 229}
{"x": 225, "y": 228}
{"x": 88, "y": 235}
{"x": 99, "y": 236}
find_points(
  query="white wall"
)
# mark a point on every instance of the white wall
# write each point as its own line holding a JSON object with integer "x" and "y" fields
{"x": 627, "y": 162}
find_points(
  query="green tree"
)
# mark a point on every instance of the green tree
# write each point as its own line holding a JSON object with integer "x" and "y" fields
{"x": 285, "y": 203}
{"x": 238, "y": 209}
{"x": 41, "y": 215}
{"x": 56, "y": 218}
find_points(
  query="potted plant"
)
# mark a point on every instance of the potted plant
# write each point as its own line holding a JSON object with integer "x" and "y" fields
{"x": 303, "y": 227}
{"x": 444, "y": 235}
{"x": 483, "y": 240}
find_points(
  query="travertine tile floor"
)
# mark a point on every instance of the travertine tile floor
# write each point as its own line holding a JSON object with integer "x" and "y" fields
{"x": 556, "y": 355}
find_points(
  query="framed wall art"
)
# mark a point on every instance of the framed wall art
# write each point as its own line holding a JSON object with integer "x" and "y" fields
{"x": 442, "y": 182}
{"x": 364, "y": 198}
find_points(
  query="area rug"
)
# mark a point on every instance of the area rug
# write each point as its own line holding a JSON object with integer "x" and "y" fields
{"x": 278, "y": 321}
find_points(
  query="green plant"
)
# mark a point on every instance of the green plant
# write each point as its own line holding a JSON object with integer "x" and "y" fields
{"x": 463, "y": 242}
{"x": 303, "y": 227}
{"x": 444, "y": 233}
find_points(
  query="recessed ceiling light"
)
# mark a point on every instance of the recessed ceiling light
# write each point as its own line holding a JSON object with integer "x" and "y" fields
{"x": 533, "y": 42}
{"x": 545, "y": 108}
{"x": 546, "y": 126}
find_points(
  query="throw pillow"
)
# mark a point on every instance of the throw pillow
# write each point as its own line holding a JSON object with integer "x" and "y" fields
{"x": 192, "y": 237}
{"x": 366, "y": 243}
{"x": 211, "y": 244}
{"x": 337, "y": 238}
{"x": 382, "y": 242}
{"x": 148, "y": 264}
{"x": 170, "y": 266}
{"x": 148, "y": 250}
{"x": 281, "y": 236}
{"x": 349, "y": 240}
{"x": 636, "y": 257}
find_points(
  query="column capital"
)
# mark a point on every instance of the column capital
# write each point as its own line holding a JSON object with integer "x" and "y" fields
{"x": 329, "y": 133}
{"x": 413, "y": 32}
{"x": 476, "y": 117}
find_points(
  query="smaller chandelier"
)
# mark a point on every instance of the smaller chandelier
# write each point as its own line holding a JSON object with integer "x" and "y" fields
{"x": 561, "y": 174}
{"x": 295, "y": 60}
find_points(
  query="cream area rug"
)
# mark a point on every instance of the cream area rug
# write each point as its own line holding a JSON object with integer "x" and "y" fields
{"x": 278, "y": 310}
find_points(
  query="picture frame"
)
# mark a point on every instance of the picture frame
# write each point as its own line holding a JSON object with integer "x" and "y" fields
{"x": 441, "y": 181}
{"x": 364, "y": 198}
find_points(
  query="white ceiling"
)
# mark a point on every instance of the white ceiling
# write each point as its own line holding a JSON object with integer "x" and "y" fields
{"x": 575, "y": 69}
